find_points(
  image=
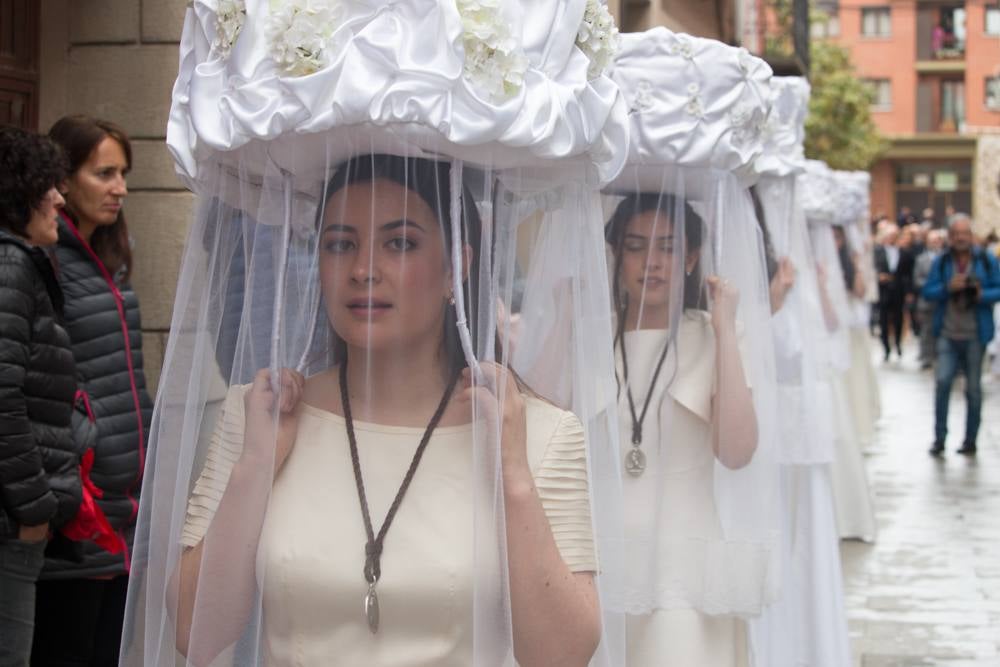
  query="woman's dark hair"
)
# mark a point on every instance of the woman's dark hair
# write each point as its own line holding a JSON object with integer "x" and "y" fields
{"x": 770, "y": 261}
{"x": 668, "y": 205}
{"x": 79, "y": 136}
{"x": 30, "y": 166}
{"x": 844, "y": 255}
{"x": 429, "y": 180}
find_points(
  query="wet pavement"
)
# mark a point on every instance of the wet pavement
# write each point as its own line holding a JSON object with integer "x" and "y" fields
{"x": 928, "y": 591}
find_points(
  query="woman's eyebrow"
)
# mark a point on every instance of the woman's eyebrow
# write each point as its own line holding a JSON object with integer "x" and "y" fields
{"x": 403, "y": 222}
{"x": 642, "y": 237}
{"x": 334, "y": 227}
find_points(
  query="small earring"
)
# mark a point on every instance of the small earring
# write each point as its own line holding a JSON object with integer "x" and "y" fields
{"x": 688, "y": 273}
{"x": 451, "y": 299}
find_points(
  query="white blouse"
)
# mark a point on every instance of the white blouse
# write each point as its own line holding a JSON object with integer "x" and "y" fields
{"x": 679, "y": 555}
{"x": 311, "y": 550}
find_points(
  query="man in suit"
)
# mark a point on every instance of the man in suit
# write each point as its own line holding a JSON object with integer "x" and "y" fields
{"x": 894, "y": 266}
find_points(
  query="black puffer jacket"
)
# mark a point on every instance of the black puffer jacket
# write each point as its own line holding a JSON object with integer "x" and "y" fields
{"x": 39, "y": 463}
{"x": 102, "y": 319}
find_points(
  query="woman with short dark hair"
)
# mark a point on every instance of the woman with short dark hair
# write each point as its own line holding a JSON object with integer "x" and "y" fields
{"x": 40, "y": 486}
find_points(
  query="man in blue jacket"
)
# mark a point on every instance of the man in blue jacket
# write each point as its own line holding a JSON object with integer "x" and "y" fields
{"x": 963, "y": 285}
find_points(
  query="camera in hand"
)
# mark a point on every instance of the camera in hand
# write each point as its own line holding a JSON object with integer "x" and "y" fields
{"x": 968, "y": 295}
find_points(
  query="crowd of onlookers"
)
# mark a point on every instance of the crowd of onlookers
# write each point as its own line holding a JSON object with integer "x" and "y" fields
{"x": 74, "y": 410}
{"x": 939, "y": 280}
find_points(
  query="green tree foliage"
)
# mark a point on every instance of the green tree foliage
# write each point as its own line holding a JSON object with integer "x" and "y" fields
{"x": 779, "y": 42}
{"x": 839, "y": 129}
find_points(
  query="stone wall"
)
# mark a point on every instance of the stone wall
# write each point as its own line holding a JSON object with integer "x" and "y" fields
{"x": 117, "y": 59}
{"x": 986, "y": 190}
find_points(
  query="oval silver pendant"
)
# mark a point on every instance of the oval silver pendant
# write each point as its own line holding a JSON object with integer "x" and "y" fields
{"x": 635, "y": 462}
{"x": 371, "y": 608}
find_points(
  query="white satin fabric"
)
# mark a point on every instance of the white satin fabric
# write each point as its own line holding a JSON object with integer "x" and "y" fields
{"x": 853, "y": 192}
{"x": 820, "y": 192}
{"x": 394, "y": 65}
{"x": 693, "y": 102}
{"x": 784, "y": 133}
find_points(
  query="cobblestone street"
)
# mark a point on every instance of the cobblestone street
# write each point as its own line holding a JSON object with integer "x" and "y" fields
{"x": 928, "y": 592}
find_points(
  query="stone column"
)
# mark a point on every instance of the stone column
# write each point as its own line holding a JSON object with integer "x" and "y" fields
{"x": 117, "y": 59}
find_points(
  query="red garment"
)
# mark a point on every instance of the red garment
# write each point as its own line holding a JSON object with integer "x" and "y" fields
{"x": 90, "y": 523}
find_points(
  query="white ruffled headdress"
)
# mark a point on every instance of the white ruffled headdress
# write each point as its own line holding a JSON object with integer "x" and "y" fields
{"x": 499, "y": 82}
{"x": 693, "y": 103}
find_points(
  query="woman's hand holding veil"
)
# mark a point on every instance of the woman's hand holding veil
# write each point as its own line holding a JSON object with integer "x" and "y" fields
{"x": 725, "y": 300}
{"x": 269, "y": 436}
{"x": 498, "y": 399}
{"x": 555, "y": 612}
{"x": 734, "y": 421}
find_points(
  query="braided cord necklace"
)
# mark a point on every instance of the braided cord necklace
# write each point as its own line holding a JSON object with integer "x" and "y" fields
{"x": 373, "y": 547}
{"x": 635, "y": 460}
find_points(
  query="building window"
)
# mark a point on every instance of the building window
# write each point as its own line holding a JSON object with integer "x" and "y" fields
{"x": 952, "y": 111}
{"x": 882, "y": 93}
{"x": 992, "y": 21}
{"x": 876, "y": 22}
{"x": 824, "y": 25}
{"x": 993, "y": 93}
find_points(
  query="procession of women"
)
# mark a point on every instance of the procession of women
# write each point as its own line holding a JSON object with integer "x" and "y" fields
{"x": 501, "y": 338}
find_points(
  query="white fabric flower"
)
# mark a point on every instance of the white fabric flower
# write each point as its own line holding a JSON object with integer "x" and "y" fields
{"x": 747, "y": 125}
{"x": 495, "y": 61}
{"x": 682, "y": 46}
{"x": 230, "y": 15}
{"x": 598, "y": 38}
{"x": 301, "y": 34}
{"x": 643, "y": 98}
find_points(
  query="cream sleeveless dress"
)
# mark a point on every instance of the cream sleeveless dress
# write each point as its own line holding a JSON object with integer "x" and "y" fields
{"x": 311, "y": 550}
{"x": 677, "y": 634}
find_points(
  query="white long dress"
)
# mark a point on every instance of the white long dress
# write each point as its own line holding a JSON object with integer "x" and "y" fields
{"x": 311, "y": 550}
{"x": 807, "y": 626}
{"x": 862, "y": 382}
{"x": 678, "y": 634}
{"x": 852, "y": 496}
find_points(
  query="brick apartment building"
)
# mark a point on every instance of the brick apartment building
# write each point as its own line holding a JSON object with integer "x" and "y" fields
{"x": 935, "y": 67}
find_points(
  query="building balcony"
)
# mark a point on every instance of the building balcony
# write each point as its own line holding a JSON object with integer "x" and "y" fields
{"x": 931, "y": 145}
{"x": 940, "y": 66}
{"x": 940, "y": 105}
{"x": 941, "y": 38}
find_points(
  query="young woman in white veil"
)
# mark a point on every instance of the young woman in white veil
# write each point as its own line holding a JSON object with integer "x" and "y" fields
{"x": 853, "y": 500}
{"x": 808, "y": 624}
{"x": 695, "y": 407}
{"x": 384, "y": 491}
{"x": 386, "y": 287}
{"x": 854, "y": 244}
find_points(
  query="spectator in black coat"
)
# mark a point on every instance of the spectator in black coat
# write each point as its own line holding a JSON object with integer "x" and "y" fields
{"x": 40, "y": 487}
{"x": 81, "y": 603}
{"x": 894, "y": 267}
